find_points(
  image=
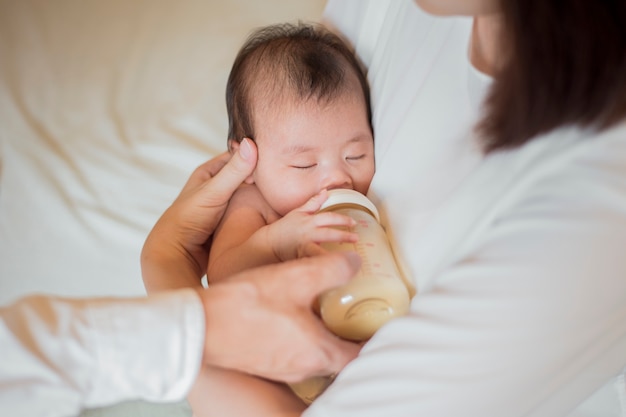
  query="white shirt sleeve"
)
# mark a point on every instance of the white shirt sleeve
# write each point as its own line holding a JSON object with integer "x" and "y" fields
{"x": 62, "y": 355}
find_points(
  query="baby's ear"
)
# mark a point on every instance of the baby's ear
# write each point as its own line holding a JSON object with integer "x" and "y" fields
{"x": 233, "y": 147}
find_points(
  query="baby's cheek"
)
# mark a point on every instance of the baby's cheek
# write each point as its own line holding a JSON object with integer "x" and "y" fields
{"x": 285, "y": 199}
{"x": 363, "y": 185}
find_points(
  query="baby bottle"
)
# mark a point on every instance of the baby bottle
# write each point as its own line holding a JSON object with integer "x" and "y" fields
{"x": 377, "y": 293}
{"x": 374, "y": 296}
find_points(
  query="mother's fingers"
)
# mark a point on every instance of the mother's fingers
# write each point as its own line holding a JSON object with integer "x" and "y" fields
{"x": 318, "y": 274}
{"x": 333, "y": 353}
{"x": 228, "y": 171}
{"x": 234, "y": 172}
{"x": 311, "y": 277}
{"x": 205, "y": 172}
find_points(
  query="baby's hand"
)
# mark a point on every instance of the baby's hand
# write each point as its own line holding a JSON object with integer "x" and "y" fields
{"x": 300, "y": 232}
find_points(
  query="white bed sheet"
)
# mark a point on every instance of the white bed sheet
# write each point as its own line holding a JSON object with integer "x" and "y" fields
{"x": 106, "y": 106}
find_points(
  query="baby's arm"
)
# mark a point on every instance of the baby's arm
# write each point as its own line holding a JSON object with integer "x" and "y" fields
{"x": 252, "y": 234}
{"x": 235, "y": 247}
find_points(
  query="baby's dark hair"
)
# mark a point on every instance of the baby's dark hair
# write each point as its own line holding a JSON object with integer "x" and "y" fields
{"x": 304, "y": 60}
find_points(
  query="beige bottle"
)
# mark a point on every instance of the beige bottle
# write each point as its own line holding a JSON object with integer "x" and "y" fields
{"x": 374, "y": 296}
{"x": 377, "y": 293}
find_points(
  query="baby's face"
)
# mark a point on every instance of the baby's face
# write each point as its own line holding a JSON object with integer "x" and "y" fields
{"x": 305, "y": 147}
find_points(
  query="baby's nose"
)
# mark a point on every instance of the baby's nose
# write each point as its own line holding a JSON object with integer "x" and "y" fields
{"x": 337, "y": 179}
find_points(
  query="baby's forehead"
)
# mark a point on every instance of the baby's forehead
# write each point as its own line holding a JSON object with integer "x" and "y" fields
{"x": 294, "y": 125}
{"x": 277, "y": 100}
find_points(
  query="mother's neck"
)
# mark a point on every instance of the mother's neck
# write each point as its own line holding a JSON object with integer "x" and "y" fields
{"x": 484, "y": 48}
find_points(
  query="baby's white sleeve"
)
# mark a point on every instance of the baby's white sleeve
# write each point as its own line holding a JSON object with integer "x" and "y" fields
{"x": 62, "y": 355}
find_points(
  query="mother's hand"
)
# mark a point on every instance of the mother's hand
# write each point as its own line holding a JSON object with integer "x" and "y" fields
{"x": 261, "y": 321}
{"x": 176, "y": 251}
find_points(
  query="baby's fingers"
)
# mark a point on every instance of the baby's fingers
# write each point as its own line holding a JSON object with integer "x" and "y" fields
{"x": 314, "y": 203}
{"x": 329, "y": 234}
{"x": 330, "y": 219}
{"x": 311, "y": 249}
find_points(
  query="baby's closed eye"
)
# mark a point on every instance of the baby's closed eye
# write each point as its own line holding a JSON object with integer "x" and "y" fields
{"x": 303, "y": 165}
{"x": 355, "y": 157}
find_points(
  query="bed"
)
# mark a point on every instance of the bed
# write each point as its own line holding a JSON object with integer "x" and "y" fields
{"x": 106, "y": 106}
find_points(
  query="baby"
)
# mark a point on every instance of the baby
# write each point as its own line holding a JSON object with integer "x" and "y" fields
{"x": 299, "y": 93}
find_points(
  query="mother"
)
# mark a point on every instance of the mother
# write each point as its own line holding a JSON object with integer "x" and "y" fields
{"x": 501, "y": 172}
{"x": 514, "y": 231}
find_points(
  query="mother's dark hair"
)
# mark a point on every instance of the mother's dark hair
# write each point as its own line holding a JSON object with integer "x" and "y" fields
{"x": 567, "y": 66}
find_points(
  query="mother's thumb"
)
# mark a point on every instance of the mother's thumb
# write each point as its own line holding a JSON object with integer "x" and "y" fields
{"x": 238, "y": 168}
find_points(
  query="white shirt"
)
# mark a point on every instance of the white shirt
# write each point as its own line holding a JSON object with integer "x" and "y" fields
{"x": 517, "y": 257}
{"x": 61, "y": 355}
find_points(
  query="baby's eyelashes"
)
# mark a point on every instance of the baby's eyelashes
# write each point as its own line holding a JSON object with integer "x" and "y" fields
{"x": 303, "y": 166}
